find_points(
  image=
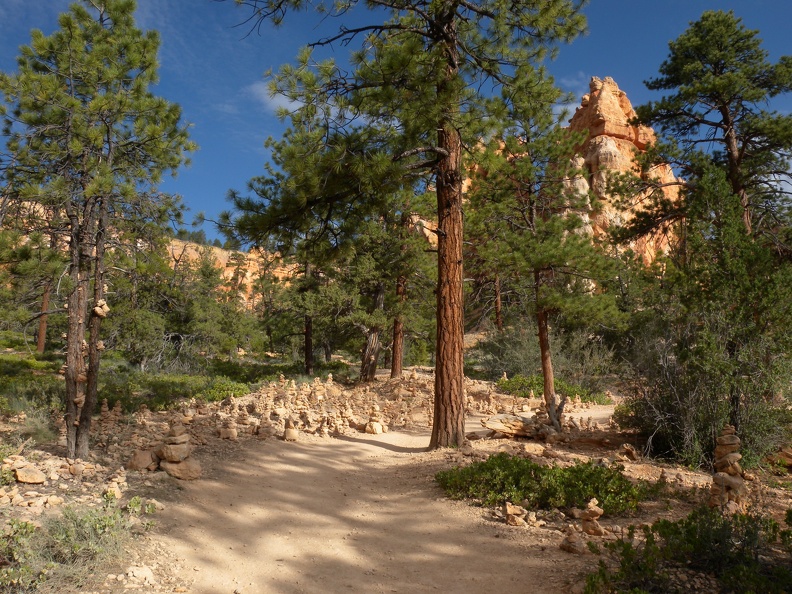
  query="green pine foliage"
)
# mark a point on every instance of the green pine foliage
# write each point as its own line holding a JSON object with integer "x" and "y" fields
{"x": 522, "y": 386}
{"x": 709, "y": 335}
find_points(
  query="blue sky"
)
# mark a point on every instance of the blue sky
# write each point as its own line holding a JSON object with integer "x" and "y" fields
{"x": 216, "y": 73}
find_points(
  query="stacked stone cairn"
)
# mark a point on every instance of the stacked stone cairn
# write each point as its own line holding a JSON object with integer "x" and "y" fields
{"x": 375, "y": 424}
{"x": 174, "y": 454}
{"x": 245, "y": 424}
{"x": 589, "y": 517}
{"x": 290, "y": 432}
{"x": 728, "y": 490}
{"x": 228, "y": 429}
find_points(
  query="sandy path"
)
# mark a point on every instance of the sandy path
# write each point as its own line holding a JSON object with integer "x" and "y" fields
{"x": 359, "y": 514}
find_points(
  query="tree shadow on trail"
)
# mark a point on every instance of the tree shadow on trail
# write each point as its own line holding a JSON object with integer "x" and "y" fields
{"x": 384, "y": 445}
{"x": 344, "y": 515}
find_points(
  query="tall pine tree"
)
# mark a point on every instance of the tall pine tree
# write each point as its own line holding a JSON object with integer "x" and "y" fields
{"x": 88, "y": 139}
{"x": 425, "y": 73}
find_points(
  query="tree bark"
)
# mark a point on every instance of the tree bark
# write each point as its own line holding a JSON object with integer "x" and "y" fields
{"x": 734, "y": 159}
{"x": 94, "y": 325}
{"x": 371, "y": 352}
{"x": 555, "y": 410}
{"x": 448, "y": 427}
{"x": 79, "y": 271}
{"x": 398, "y": 330}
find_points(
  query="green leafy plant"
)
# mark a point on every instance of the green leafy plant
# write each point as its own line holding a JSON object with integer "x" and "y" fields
{"x": 522, "y": 386}
{"x": 65, "y": 552}
{"x": 510, "y": 478}
{"x": 737, "y": 550}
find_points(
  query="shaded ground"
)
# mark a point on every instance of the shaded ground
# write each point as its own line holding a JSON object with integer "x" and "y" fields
{"x": 347, "y": 515}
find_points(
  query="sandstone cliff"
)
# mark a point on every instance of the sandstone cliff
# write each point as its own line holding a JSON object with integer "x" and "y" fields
{"x": 239, "y": 270}
{"x": 610, "y": 148}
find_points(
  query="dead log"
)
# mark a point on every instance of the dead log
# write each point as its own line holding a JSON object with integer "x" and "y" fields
{"x": 514, "y": 425}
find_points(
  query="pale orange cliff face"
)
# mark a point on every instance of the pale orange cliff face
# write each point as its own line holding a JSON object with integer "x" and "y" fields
{"x": 610, "y": 147}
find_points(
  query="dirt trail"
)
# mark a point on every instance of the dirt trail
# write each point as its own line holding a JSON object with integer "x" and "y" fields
{"x": 356, "y": 514}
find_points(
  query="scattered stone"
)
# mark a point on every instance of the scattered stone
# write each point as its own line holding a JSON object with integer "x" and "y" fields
{"x": 628, "y": 452}
{"x": 143, "y": 460}
{"x": 30, "y": 475}
{"x": 574, "y": 543}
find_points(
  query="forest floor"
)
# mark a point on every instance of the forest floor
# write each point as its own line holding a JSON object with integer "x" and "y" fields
{"x": 352, "y": 513}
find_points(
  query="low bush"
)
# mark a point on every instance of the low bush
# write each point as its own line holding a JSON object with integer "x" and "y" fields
{"x": 248, "y": 372}
{"x": 66, "y": 552}
{"x": 510, "y": 478}
{"x": 161, "y": 391}
{"x": 578, "y": 356}
{"x": 522, "y": 386}
{"x": 739, "y": 551}
{"x": 40, "y": 393}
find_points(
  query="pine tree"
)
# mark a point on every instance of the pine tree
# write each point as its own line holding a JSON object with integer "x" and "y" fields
{"x": 88, "y": 140}
{"x": 721, "y": 82}
{"x": 716, "y": 349}
{"x": 528, "y": 222}
{"x": 424, "y": 76}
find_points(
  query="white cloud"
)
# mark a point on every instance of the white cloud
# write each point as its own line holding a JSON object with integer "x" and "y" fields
{"x": 259, "y": 92}
{"x": 575, "y": 82}
{"x": 227, "y": 107}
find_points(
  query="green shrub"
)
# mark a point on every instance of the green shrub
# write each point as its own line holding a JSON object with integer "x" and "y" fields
{"x": 10, "y": 339}
{"x": 734, "y": 549}
{"x": 578, "y": 356}
{"x": 521, "y": 385}
{"x": 65, "y": 552}
{"x": 510, "y": 478}
{"x": 220, "y": 388}
{"x": 160, "y": 391}
{"x": 25, "y": 391}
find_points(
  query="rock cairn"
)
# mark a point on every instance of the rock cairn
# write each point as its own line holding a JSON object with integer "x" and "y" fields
{"x": 228, "y": 429}
{"x": 290, "y": 432}
{"x": 375, "y": 425}
{"x": 728, "y": 490}
{"x": 589, "y": 517}
{"x": 174, "y": 454}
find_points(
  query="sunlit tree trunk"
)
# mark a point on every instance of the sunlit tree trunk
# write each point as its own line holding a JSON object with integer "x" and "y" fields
{"x": 448, "y": 428}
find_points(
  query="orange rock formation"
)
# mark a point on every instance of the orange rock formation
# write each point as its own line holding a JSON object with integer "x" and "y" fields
{"x": 610, "y": 148}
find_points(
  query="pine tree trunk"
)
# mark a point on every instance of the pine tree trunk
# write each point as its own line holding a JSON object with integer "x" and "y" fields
{"x": 76, "y": 376}
{"x": 398, "y": 331}
{"x": 368, "y": 364}
{"x": 371, "y": 352}
{"x": 448, "y": 427}
{"x": 555, "y": 410}
{"x": 94, "y": 325}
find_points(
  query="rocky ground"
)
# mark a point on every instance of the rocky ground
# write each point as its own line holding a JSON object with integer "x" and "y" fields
{"x": 347, "y": 502}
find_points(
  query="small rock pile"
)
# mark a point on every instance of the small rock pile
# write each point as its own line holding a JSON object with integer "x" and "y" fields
{"x": 171, "y": 454}
{"x": 375, "y": 426}
{"x": 174, "y": 454}
{"x": 589, "y": 517}
{"x": 728, "y": 490}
